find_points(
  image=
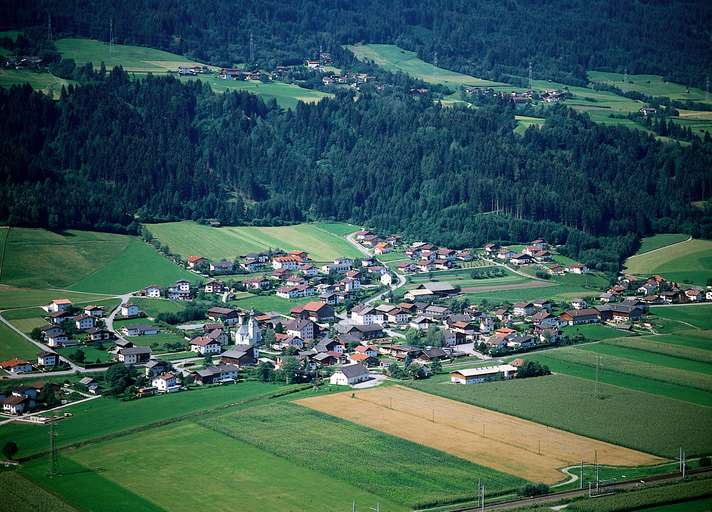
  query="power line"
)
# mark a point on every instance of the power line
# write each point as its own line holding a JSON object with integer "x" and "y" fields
{"x": 53, "y": 465}
{"x": 111, "y": 33}
{"x": 530, "y": 76}
{"x": 49, "y": 27}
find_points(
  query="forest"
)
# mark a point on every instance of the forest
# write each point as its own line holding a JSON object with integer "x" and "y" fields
{"x": 493, "y": 39}
{"x": 114, "y": 151}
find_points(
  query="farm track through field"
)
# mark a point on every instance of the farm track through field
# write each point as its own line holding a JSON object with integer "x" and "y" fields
{"x": 515, "y": 286}
{"x": 659, "y": 248}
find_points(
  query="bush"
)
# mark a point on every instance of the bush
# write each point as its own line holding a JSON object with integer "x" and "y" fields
{"x": 705, "y": 462}
{"x": 532, "y": 369}
{"x": 534, "y": 490}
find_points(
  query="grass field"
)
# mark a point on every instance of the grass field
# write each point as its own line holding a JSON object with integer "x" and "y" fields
{"x": 84, "y": 261}
{"x": 107, "y": 416}
{"x": 22, "y": 495}
{"x": 13, "y": 345}
{"x": 239, "y": 473}
{"x": 685, "y": 262}
{"x": 463, "y": 279}
{"x": 38, "y": 80}
{"x": 395, "y": 59}
{"x": 528, "y": 450}
{"x": 650, "y": 85}
{"x": 593, "y": 332}
{"x": 694, "y": 316}
{"x": 266, "y": 303}
{"x": 388, "y": 466}
{"x": 153, "y": 307}
{"x": 190, "y": 238}
{"x": 622, "y": 416}
{"x": 661, "y": 240}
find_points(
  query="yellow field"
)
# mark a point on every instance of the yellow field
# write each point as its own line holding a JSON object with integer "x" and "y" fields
{"x": 519, "y": 447}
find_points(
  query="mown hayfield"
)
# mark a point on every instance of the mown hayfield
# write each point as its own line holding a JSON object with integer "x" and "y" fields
{"x": 657, "y": 359}
{"x": 189, "y": 238}
{"x": 266, "y": 303}
{"x": 395, "y": 59}
{"x": 685, "y": 262}
{"x": 14, "y": 345}
{"x": 106, "y": 416}
{"x": 463, "y": 278}
{"x": 399, "y": 470}
{"x": 286, "y": 95}
{"x": 593, "y": 332}
{"x": 694, "y": 316}
{"x": 238, "y": 474}
{"x": 658, "y": 241}
{"x": 84, "y": 261}
{"x": 606, "y": 375}
{"x": 21, "y": 495}
{"x": 153, "y": 307}
{"x": 39, "y": 80}
{"x": 135, "y": 59}
{"x": 623, "y": 416}
{"x": 528, "y": 450}
{"x": 13, "y": 297}
{"x": 650, "y": 85}
{"x": 703, "y": 355}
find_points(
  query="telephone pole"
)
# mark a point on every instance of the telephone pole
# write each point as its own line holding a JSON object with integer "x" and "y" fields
{"x": 435, "y": 59}
{"x": 111, "y": 34}
{"x": 707, "y": 88}
{"x": 598, "y": 364}
{"x": 252, "y": 48}
{"x": 531, "y": 75}
{"x": 581, "y": 476}
{"x": 49, "y": 27}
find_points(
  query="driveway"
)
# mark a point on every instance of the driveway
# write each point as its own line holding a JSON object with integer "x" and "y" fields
{"x": 376, "y": 380}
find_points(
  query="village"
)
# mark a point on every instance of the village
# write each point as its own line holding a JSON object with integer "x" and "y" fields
{"x": 360, "y": 321}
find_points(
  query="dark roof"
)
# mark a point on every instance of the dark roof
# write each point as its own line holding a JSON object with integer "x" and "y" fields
{"x": 353, "y": 370}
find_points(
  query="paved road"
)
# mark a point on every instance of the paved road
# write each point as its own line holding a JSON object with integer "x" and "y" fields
{"x": 109, "y": 321}
{"x": 401, "y": 278}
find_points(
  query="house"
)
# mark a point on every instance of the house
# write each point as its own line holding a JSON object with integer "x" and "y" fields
{"x": 57, "y": 339}
{"x": 349, "y": 375}
{"x": 505, "y": 254}
{"x": 17, "y": 404}
{"x": 433, "y": 288}
{"x": 491, "y": 249}
{"x": 47, "y": 359}
{"x": 544, "y": 304}
{"x": 366, "y": 315}
{"x": 252, "y": 265}
{"x": 134, "y": 355}
{"x": 382, "y": 248}
{"x": 240, "y": 358}
{"x": 397, "y": 316}
{"x": 85, "y": 322}
{"x": 195, "y": 261}
{"x": 694, "y": 295}
{"x": 518, "y": 342}
{"x": 166, "y": 383}
{"x": 304, "y": 329}
{"x": 363, "y": 359}
{"x": 180, "y": 290}
{"x": 421, "y": 323}
{"x": 283, "y": 341}
{"x": 95, "y": 311}
{"x": 91, "y": 384}
{"x": 429, "y": 355}
{"x": 219, "y": 374}
{"x": 620, "y": 313}
{"x": 97, "y": 335}
{"x": 289, "y": 292}
{"x": 316, "y": 311}
{"x": 580, "y": 316}
{"x": 205, "y": 346}
{"x": 140, "y": 330}
{"x": 51, "y": 330}
{"x": 222, "y": 266}
{"x": 155, "y": 367}
{"x": 342, "y": 265}
{"x": 577, "y": 268}
{"x": 545, "y": 319}
{"x": 16, "y": 366}
{"x": 308, "y": 270}
{"x": 129, "y": 310}
{"x": 367, "y": 349}
{"x": 227, "y": 316}
{"x": 521, "y": 259}
{"x": 579, "y": 303}
{"x": 153, "y": 291}
{"x": 483, "y": 374}
{"x": 258, "y": 283}
{"x": 329, "y": 345}
{"x": 286, "y": 262}
{"x": 214, "y": 286}
{"x": 523, "y": 309}
{"x": 58, "y": 306}
{"x": 361, "y": 332}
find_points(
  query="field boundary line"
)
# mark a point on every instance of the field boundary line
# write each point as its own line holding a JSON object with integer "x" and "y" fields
{"x": 660, "y": 248}
{"x": 4, "y": 251}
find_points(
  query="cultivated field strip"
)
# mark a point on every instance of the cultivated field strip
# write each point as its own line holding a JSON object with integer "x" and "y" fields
{"x": 523, "y": 448}
{"x": 694, "y": 354}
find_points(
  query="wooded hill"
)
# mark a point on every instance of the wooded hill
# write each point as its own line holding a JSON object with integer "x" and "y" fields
{"x": 117, "y": 150}
{"x": 489, "y": 38}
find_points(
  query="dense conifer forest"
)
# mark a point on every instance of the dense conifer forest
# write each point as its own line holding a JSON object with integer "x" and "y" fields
{"x": 115, "y": 151}
{"x": 490, "y": 38}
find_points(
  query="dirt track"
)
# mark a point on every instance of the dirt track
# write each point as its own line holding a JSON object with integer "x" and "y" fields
{"x": 509, "y": 444}
{"x": 514, "y": 286}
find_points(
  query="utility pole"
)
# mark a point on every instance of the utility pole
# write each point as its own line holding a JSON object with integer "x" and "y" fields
{"x": 531, "y": 75}
{"x": 684, "y": 466}
{"x": 483, "y": 498}
{"x": 625, "y": 75}
{"x": 53, "y": 466}
{"x": 707, "y": 88}
{"x": 353, "y": 506}
{"x": 49, "y": 27}
{"x": 595, "y": 456}
{"x": 252, "y": 48}
{"x": 111, "y": 33}
{"x": 433, "y": 415}
{"x": 435, "y": 59}
{"x": 581, "y": 476}
{"x": 377, "y": 508}
{"x": 598, "y": 364}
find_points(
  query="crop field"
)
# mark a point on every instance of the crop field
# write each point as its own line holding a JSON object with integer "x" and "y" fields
{"x": 620, "y": 416}
{"x": 660, "y": 240}
{"x": 399, "y": 470}
{"x": 41, "y": 81}
{"x": 395, "y": 59}
{"x": 505, "y": 443}
{"x": 84, "y": 261}
{"x": 21, "y": 495}
{"x": 465, "y": 281}
{"x": 685, "y": 262}
{"x": 107, "y": 416}
{"x": 699, "y": 317}
{"x": 189, "y": 238}
{"x": 239, "y": 473}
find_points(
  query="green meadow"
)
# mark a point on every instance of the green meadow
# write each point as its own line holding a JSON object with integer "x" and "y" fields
{"x": 685, "y": 262}
{"x": 14, "y": 345}
{"x": 395, "y": 59}
{"x": 697, "y": 316}
{"x": 20, "y": 494}
{"x": 658, "y": 241}
{"x": 39, "y": 80}
{"x": 82, "y": 261}
{"x": 189, "y": 238}
{"x": 271, "y": 303}
{"x": 650, "y": 85}
{"x": 620, "y": 415}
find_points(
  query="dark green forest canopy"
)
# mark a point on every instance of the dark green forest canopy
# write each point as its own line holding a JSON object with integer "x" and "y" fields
{"x": 489, "y": 38}
{"x": 116, "y": 150}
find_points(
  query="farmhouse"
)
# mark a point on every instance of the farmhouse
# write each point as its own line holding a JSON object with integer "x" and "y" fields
{"x": 194, "y": 261}
{"x": 304, "y": 329}
{"x": 16, "y": 366}
{"x": 620, "y": 313}
{"x": 90, "y": 384}
{"x": 580, "y": 316}
{"x": 47, "y": 359}
{"x": 58, "y": 306}
{"x": 140, "y": 330}
{"x": 129, "y": 310}
{"x": 315, "y": 310}
{"x": 134, "y": 355}
{"x": 221, "y": 373}
{"x": 222, "y": 266}
{"x": 484, "y": 374}
{"x": 228, "y": 316}
{"x": 153, "y": 291}
{"x": 349, "y": 375}
{"x": 430, "y": 289}
{"x": 95, "y": 311}
{"x": 84, "y": 322}
{"x": 166, "y": 383}
{"x": 204, "y": 345}
{"x": 239, "y": 357}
